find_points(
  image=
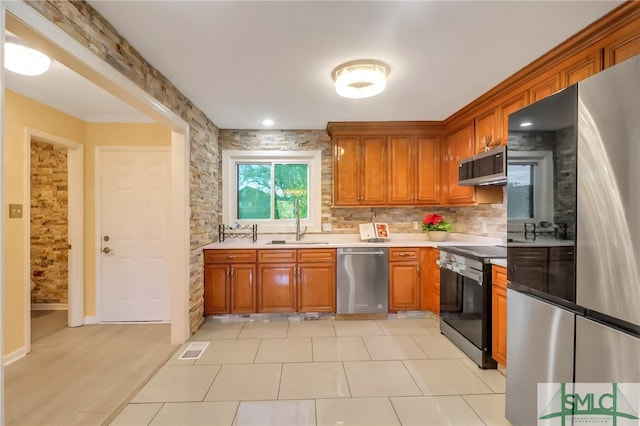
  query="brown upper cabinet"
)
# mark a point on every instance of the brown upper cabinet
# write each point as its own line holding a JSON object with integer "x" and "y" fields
{"x": 359, "y": 170}
{"x": 579, "y": 67}
{"x": 414, "y": 170}
{"x": 486, "y": 134}
{"x": 622, "y": 44}
{"x": 385, "y": 163}
{"x": 460, "y": 145}
{"x": 508, "y": 105}
{"x": 492, "y": 126}
{"x": 543, "y": 86}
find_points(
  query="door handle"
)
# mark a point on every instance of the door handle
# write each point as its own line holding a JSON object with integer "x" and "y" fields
{"x": 107, "y": 250}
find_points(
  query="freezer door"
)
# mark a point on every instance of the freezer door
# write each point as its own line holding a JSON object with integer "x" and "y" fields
{"x": 539, "y": 350}
{"x": 608, "y": 208}
{"x": 605, "y": 355}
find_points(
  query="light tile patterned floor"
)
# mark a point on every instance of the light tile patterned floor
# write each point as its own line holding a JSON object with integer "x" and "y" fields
{"x": 325, "y": 372}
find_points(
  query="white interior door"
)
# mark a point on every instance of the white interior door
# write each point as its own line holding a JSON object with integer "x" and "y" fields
{"x": 135, "y": 194}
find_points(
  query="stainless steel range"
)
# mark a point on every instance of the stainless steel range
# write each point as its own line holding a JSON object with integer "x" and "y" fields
{"x": 465, "y": 299}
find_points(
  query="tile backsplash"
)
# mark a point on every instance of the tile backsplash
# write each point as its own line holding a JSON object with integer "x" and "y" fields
{"x": 486, "y": 220}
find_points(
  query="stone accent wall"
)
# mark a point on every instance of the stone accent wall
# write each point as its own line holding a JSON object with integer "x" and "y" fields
{"x": 565, "y": 167}
{"x": 49, "y": 223}
{"x": 482, "y": 220}
{"x": 86, "y": 26}
{"x": 562, "y": 143}
{"x": 486, "y": 219}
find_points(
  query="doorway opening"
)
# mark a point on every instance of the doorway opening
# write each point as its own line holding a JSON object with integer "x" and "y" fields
{"x": 53, "y": 234}
{"x": 49, "y": 233}
{"x": 28, "y": 24}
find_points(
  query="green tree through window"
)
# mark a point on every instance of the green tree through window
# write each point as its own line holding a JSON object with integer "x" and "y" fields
{"x": 269, "y": 190}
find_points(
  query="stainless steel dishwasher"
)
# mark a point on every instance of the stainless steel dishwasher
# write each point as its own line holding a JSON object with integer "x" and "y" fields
{"x": 363, "y": 280}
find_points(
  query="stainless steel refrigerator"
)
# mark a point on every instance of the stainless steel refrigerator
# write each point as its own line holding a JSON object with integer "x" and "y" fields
{"x": 573, "y": 250}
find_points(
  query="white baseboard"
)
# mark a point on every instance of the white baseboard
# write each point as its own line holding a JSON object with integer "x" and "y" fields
{"x": 49, "y": 306}
{"x": 91, "y": 320}
{"x": 14, "y": 356}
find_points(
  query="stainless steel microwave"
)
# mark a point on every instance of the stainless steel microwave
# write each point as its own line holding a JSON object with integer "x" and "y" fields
{"x": 486, "y": 168}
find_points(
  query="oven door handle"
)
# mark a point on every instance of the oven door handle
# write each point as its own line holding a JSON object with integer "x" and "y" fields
{"x": 464, "y": 271}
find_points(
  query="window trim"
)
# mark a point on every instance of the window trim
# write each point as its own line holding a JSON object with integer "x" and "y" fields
{"x": 543, "y": 203}
{"x": 230, "y": 159}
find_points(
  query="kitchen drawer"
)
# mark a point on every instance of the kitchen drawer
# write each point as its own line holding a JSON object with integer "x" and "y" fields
{"x": 499, "y": 276}
{"x": 561, "y": 253}
{"x": 396, "y": 254}
{"x": 229, "y": 256}
{"x": 316, "y": 255}
{"x": 276, "y": 256}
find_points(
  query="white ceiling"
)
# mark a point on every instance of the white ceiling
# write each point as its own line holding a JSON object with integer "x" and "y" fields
{"x": 67, "y": 91}
{"x": 241, "y": 61}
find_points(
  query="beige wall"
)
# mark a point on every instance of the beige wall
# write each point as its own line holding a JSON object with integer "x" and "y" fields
{"x": 22, "y": 113}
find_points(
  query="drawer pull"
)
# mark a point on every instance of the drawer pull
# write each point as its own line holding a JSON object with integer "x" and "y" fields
{"x": 231, "y": 257}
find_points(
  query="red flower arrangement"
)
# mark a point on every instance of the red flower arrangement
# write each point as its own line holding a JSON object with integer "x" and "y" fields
{"x": 435, "y": 222}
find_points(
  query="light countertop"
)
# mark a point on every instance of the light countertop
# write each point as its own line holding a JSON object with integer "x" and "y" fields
{"x": 351, "y": 240}
{"x": 499, "y": 262}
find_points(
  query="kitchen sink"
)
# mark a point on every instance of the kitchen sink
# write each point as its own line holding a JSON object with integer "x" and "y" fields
{"x": 283, "y": 242}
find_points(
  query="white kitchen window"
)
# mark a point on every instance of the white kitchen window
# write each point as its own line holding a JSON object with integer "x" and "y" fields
{"x": 530, "y": 188}
{"x": 262, "y": 187}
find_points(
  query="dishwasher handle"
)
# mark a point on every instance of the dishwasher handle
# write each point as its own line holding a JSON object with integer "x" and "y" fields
{"x": 366, "y": 253}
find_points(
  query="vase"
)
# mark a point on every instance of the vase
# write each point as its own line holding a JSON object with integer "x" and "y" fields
{"x": 438, "y": 236}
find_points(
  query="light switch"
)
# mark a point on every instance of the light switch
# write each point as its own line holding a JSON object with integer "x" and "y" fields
{"x": 15, "y": 211}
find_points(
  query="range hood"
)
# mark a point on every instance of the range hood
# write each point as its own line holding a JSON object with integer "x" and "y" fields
{"x": 486, "y": 168}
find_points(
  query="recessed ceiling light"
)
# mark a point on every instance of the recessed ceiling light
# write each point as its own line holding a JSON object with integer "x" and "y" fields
{"x": 360, "y": 79}
{"x": 267, "y": 122}
{"x": 25, "y": 60}
{"x": 526, "y": 124}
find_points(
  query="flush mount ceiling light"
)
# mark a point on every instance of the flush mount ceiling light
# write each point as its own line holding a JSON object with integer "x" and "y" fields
{"x": 267, "y": 122}
{"x": 526, "y": 124}
{"x": 360, "y": 79}
{"x": 25, "y": 60}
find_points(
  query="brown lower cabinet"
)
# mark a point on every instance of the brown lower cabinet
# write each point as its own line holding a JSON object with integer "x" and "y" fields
{"x": 499, "y": 314}
{"x": 414, "y": 279}
{"x": 306, "y": 283}
{"x": 404, "y": 277}
{"x": 229, "y": 281}
{"x": 304, "y": 280}
{"x": 429, "y": 280}
{"x": 269, "y": 281}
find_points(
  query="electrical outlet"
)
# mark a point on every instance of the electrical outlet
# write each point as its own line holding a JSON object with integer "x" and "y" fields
{"x": 415, "y": 225}
{"x": 326, "y": 227}
{"x": 15, "y": 211}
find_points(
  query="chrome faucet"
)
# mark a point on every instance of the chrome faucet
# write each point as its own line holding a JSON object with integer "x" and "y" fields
{"x": 299, "y": 234}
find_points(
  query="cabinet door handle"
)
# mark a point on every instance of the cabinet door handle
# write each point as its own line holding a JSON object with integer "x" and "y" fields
{"x": 231, "y": 269}
{"x": 418, "y": 270}
{"x": 228, "y": 272}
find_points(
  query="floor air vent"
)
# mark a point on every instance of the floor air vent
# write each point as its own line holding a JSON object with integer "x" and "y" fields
{"x": 194, "y": 350}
